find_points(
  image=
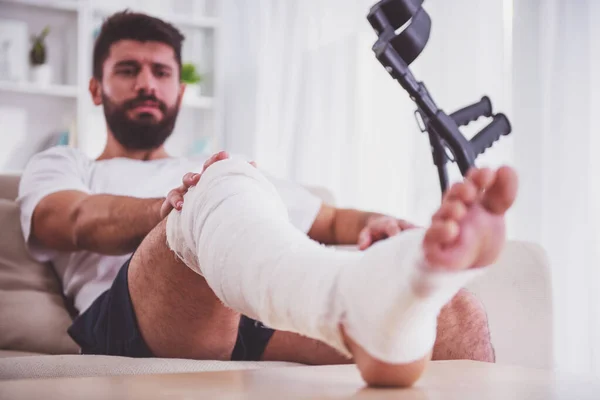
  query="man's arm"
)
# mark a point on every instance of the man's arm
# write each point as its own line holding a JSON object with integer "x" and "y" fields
{"x": 105, "y": 224}
{"x": 72, "y": 220}
{"x": 338, "y": 226}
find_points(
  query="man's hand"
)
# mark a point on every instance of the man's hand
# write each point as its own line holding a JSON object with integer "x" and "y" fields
{"x": 174, "y": 199}
{"x": 381, "y": 227}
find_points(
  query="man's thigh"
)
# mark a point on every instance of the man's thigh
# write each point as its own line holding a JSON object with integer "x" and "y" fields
{"x": 178, "y": 314}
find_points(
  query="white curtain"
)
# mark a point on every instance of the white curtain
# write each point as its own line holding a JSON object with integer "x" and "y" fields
{"x": 307, "y": 99}
{"x": 290, "y": 87}
{"x": 556, "y": 98}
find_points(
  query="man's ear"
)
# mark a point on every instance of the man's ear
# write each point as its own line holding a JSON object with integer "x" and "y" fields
{"x": 182, "y": 87}
{"x": 96, "y": 91}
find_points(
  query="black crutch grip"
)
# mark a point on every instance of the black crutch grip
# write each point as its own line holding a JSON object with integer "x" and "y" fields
{"x": 483, "y": 108}
{"x": 488, "y": 135}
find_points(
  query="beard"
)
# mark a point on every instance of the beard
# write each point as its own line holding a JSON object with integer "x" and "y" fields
{"x": 143, "y": 132}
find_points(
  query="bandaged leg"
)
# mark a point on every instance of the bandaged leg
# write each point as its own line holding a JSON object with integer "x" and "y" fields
{"x": 234, "y": 230}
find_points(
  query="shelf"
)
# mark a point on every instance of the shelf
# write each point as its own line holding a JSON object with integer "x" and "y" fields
{"x": 199, "y": 113}
{"x": 72, "y": 5}
{"x": 191, "y": 22}
{"x": 199, "y": 102}
{"x": 64, "y": 5}
{"x": 30, "y": 88}
{"x": 71, "y": 92}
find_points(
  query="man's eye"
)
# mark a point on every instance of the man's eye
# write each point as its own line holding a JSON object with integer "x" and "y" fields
{"x": 126, "y": 72}
{"x": 163, "y": 74}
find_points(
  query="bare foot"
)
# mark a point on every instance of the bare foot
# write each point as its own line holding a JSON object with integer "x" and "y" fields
{"x": 468, "y": 230}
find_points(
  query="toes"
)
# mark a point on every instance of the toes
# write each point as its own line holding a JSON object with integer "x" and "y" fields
{"x": 483, "y": 178}
{"x": 451, "y": 209}
{"x": 441, "y": 232}
{"x": 463, "y": 191}
{"x": 501, "y": 195}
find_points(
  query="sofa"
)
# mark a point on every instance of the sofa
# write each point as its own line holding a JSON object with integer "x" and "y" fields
{"x": 34, "y": 315}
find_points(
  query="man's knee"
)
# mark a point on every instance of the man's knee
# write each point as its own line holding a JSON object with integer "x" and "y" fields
{"x": 463, "y": 331}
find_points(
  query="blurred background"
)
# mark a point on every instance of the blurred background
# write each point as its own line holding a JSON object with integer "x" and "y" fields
{"x": 295, "y": 86}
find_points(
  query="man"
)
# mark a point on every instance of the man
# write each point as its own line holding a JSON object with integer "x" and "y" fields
{"x": 102, "y": 224}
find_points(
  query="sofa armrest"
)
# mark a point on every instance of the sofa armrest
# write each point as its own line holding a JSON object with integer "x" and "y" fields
{"x": 517, "y": 295}
{"x": 9, "y": 186}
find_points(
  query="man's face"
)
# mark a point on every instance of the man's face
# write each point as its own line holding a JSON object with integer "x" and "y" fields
{"x": 140, "y": 92}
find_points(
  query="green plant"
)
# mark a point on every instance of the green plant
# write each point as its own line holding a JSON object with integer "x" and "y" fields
{"x": 189, "y": 74}
{"x": 37, "y": 55}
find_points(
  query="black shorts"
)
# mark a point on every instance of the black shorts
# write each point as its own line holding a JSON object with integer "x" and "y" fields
{"x": 109, "y": 327}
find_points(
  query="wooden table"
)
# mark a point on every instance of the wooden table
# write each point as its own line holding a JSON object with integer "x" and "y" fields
{"x": 442, "y": 380}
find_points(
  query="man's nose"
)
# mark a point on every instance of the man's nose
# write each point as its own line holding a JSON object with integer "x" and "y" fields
{"x": 145, "y": 81}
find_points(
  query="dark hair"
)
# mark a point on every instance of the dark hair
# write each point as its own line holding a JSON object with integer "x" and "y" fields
{"x": 133, "y": 26}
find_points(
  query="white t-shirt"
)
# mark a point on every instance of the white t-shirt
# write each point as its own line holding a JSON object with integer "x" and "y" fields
{"x": 86, "y": 275}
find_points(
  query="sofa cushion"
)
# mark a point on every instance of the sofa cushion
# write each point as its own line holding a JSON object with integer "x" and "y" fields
{"x": 88, "y": 365}
{"x": 16, "y": 353}
{"x": 32, "y": 310}
{"x": 517, "y": 294}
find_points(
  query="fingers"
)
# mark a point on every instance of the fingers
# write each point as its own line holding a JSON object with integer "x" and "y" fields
{"x": 174, "y": 199}
{"x": 381, "y": 228}
{"x": 222, "y": 155}
{"x": 404, "y": 225}
{"x": 165, "y": 209}
{"x": 390, "y": 228}
{"x": 365, "y": 239}
{"x": 191, "y": 179}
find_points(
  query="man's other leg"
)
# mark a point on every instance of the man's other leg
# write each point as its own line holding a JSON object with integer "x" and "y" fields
{"x": 462, "y": 334}
{"x": 178, "y": 314}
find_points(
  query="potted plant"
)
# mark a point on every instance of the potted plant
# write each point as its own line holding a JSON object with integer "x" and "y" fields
{"x": 192, "y": 79}
{"x": 41, "y": 72}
